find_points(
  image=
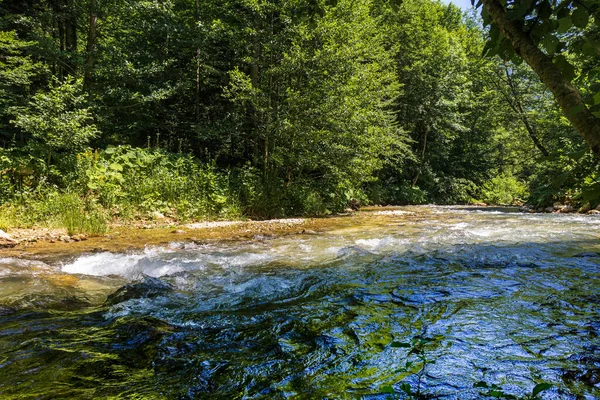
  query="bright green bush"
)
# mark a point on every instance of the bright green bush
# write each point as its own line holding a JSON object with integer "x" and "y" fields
{"x": 503, "y": 189}
{"x": 50, "y": 208}
{"x": 78, "y": 216}
{"x": 152, "y": 180}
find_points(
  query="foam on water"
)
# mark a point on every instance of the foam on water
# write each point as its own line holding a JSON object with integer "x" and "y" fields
{"x": 104, "y": 264}
{"x": 156, "y": 262}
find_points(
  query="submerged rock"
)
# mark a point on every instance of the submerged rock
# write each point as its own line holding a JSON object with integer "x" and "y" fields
{"x": 148, "y": 288}
{"x": 590, "y": 377}
{"x": 352, "y": 251}
{"x": 587, "y": 254}
{"x": 6, "y": 310}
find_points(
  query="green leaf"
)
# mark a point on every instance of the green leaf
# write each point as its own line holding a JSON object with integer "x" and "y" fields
{"x": 387, "y": 389}
{"x": 576, "y": 156}
{"x": 544, "y": 10}
{"x": 540, "y": 387}
{"x": 110, "y": 150}
{"x": 487, "y": 19}
{"x": 591, "y": 193}
{"x": 551, "y": 43}
{"x": 506, "y": 50}
{"x": 580, "y": 18}
{"x": 490, "y": 49}
{"x": 405, "y": 387}
{"x": 591, "y": 48}
{"x": 400, "y": 344}
{"x": 562, "y": 10}
{"x": 481, "y": 384}
{"x": 119, "y": 178}
{"x": 567, "y": 69}
{"x": 560, "y": 179}
{"x": 592, "y": 74}
{"x": 116, "y": 167}
{"x": 564, "y": 24}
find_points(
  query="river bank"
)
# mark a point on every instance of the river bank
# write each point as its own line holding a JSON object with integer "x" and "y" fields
{"x": 21, "y": 242}
{"x": 36, "y": 241}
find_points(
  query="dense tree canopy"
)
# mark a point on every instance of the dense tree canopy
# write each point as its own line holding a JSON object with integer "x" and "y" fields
{"x": 551, "y": 36}
{"x": 289, "y": 107}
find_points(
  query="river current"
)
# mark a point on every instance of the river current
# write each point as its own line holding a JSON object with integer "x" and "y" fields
{"x": 416, "y": 302}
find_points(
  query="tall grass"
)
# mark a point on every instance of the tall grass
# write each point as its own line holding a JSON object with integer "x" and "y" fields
{"x": 55, "y": 210}
{"x": 78, "y": 217}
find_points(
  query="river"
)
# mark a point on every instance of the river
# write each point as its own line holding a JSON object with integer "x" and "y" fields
{"x": 413, "y": 302}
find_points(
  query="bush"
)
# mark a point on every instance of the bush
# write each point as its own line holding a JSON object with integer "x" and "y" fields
{"x": 152, "y": 180}
{"x": 393, "y": 192}
{"x": 78, "y": 217}
{"x": 57, "y": 210}
{"x": 503, "y": 189}
{"x": 452, "y": 190}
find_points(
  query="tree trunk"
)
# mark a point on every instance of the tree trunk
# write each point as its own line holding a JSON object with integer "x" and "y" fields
{"x": 531, "y": 130}
{"x": 422, "y": 163}
{"x": 512, "y": 99}
{"x": 90, "y": 47}
{"x": 71, "y": 37}
{"x": 564, "y": 92}
{"x": 197, "y": 92}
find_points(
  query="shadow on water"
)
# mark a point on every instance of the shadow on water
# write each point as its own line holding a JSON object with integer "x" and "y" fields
{"x": 444, "y": 322}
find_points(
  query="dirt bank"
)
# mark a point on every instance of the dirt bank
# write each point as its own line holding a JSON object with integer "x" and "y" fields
{"x": 47, "y": 242}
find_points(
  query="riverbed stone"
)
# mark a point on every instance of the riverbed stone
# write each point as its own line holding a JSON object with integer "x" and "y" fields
{"x": 158, "y": 216}
{"x": 354, "y": 204}
{"x": 6, "y": 240}
{"x": 585, "y": 208}
{"x": 149, "y": 287}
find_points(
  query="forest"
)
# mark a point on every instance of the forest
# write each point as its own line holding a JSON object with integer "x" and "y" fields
{"x": 128, "y": 109}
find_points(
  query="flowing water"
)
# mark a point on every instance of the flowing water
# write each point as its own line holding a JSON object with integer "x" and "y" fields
{"x": 433, "y": 301}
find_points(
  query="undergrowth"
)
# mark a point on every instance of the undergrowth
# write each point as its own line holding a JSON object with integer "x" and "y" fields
{"x": 88, "y": 191}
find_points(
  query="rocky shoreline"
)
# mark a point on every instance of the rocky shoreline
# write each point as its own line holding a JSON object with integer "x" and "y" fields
{"x": 562, "y": 209}
{"x": 39, "y": 241}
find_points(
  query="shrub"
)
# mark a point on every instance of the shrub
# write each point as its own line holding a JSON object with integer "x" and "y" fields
{"x": 503, "y": 189}
{"x": 78, "y": 217}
